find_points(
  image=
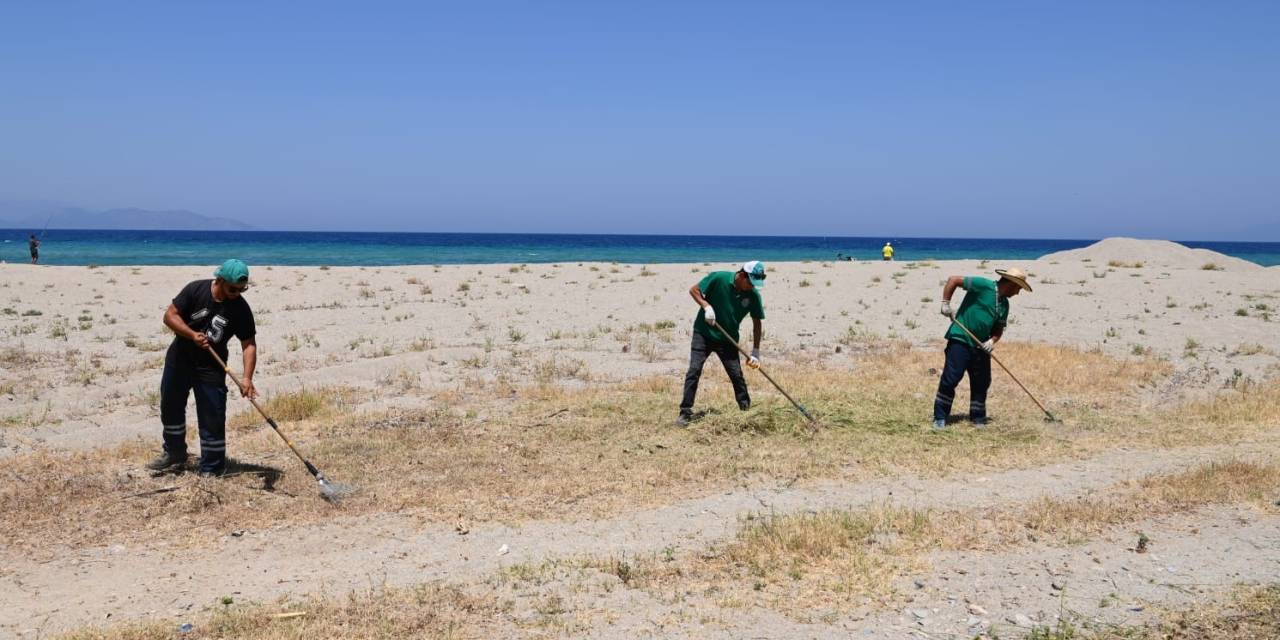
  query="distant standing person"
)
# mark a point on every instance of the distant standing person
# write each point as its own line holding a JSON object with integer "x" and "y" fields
{"x": 725, "y": 298}
{"x": 985, "y": 312}
{"x": 204, "y": 315}
{"x": 887, "y": 251}
{"x": 34, "y": 244}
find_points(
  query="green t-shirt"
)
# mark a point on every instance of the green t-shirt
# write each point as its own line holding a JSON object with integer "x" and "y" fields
{"x": 730, "y": 304}
{"x": 982, "y": 310}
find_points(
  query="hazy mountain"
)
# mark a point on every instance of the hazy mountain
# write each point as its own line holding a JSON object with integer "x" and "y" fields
{"x": 35, "y": 218}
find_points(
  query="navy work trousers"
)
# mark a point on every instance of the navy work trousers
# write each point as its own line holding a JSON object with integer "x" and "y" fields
{"x": 176, "y": 384}
{"x": 961, "y": 359}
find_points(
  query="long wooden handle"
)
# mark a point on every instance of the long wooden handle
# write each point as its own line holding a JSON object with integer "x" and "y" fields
{"x": 737, "y": 346}
{"x": 236, "y": 380}
{"x": 1006, "y": 369}
{"x": 275, "y": 427}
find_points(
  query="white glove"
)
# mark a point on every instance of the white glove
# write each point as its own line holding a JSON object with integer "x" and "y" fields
{"x": 946, "y": 309}
{"x": 710, "y": 315}
{"x": 989, "y": 345}
{"x": 754, "y": 362}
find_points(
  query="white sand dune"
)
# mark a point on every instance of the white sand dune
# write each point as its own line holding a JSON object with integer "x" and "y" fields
{"x": 1155, "y": 253}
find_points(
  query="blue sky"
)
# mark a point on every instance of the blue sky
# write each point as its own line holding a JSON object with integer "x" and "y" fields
{"x": 1014, "y": 119}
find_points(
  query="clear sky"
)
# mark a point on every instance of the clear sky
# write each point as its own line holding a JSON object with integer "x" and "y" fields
{"x": 1008, "y": 119}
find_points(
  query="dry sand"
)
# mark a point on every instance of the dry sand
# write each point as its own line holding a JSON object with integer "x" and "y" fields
{"x": 83, "y": 350}
{"x": 85, "y": 371}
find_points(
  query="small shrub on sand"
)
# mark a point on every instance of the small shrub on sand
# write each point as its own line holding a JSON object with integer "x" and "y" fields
{"x": 1248, "y": 349}
{"x": 297, "y": 405}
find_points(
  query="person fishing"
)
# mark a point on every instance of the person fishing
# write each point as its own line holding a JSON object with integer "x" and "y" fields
{"x": 984, "y": 312}
{"x": 33, "y": 244}
{"x": 204, "y": 316}
{"x": 724, "y": 298}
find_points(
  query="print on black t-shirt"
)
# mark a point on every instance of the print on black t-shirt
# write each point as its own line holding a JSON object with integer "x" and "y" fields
{"x": 217, "y": 320}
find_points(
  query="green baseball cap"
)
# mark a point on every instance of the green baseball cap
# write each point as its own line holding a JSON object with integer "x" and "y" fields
{"x": 233, "y": 271}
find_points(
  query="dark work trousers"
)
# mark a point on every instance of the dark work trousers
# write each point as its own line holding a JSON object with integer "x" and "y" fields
{"x": 962, "y": 358}
{"x": 211, "y": 413}
{"x": 699, "y": 350}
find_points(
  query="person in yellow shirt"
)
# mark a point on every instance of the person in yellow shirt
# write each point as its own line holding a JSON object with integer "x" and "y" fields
{"x": 887, "y": 251}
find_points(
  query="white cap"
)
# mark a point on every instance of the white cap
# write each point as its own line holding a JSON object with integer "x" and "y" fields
{"x": 755, "y": 271}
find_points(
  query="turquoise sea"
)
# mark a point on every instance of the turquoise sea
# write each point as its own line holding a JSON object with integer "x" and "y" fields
{"x": 85, "y": 247}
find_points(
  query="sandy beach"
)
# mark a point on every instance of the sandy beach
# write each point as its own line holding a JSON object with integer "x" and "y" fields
{"x": 92, "y": 343}
{"x": 84, "y": 347}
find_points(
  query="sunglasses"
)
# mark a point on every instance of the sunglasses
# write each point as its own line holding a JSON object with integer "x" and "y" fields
{"x": 238, "y": 288}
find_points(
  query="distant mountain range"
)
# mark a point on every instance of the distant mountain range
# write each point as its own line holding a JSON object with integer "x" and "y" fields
{"x": 35, "y": 219}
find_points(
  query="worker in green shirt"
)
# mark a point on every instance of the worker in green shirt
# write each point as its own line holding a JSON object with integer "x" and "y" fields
{"x": 985, "y": 312}
{"x": 725, "y": 298}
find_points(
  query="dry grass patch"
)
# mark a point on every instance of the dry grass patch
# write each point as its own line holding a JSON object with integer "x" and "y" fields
{"x": 1076, "y": 520}
{"x": 1252, "y": 613}
{"x": 427, "y": 611}
{"x": 501, "y": 453}
{"x": 808, "y": 565}
{"x": 835, "y": 551}
{"x": 292, "y": 406}
{"x": 102, "y": 497}
{"x": 1247, "y": 407}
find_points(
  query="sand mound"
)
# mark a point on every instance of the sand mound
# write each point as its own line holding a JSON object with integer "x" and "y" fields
{"x": 1154, "y": 253}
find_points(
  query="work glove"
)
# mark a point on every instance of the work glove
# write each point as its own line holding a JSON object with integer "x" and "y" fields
{"x": 754, "y": 361}
{"x": 946, "y": 309}
{"x": 710, "y": 314}
{"x": 989, "y": 345}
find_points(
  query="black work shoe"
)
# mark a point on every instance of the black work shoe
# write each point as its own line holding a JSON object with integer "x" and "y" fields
{"x": 167, "y": 462}
{"x": 215, "y": 473}
{"x": 683, "y": 420}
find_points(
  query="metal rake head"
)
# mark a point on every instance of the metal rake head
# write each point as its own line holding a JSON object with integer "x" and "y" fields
{"x": 333, "y": 492}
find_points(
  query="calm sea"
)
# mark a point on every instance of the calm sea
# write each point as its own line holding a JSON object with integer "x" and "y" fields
{"x": 85, "y": 247}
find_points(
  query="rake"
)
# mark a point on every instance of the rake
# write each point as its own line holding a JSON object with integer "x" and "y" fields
{"x": 1048, "y": 416}
{"x": 812, "y": 422}
{"x": 328, "y": 490}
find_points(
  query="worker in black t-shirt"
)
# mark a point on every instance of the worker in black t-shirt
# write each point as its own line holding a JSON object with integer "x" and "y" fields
{"x": 204, "y": 315}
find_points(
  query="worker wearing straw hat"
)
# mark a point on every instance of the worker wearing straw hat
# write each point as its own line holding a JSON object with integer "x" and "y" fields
{"x": 985, "y": 312}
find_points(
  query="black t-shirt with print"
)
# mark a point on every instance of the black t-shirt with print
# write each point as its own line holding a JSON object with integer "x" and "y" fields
{"x": 218, "y": 320}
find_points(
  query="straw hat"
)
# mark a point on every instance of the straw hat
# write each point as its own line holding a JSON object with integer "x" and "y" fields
{"x": 1016, "y": 276}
